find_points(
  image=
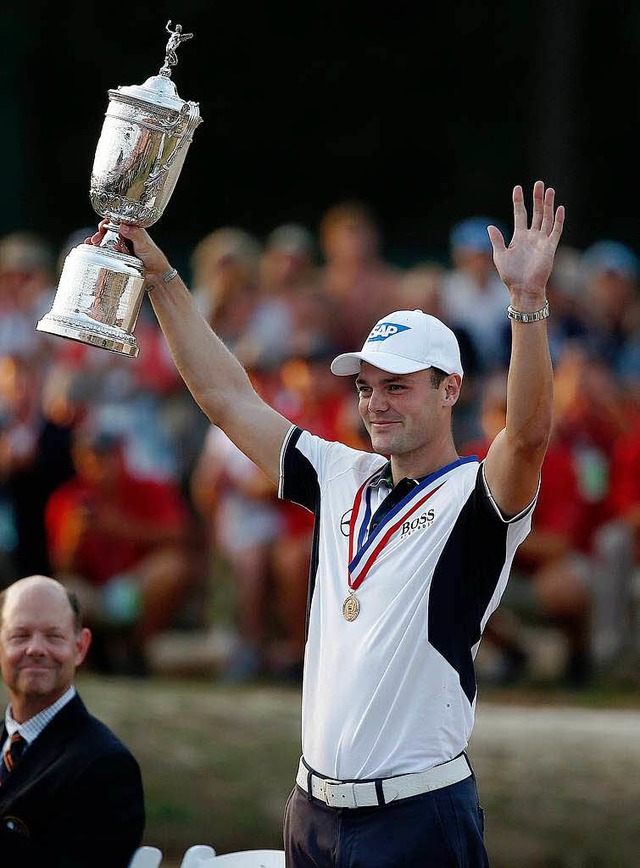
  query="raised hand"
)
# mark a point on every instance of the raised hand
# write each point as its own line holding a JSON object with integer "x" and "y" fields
{"x": 525, "y": 265}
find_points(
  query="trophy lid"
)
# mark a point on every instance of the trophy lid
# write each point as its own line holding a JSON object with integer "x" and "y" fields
{"x": 159, "y": 90}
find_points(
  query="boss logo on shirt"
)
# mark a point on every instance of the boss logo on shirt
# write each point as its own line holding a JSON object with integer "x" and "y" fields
{"x": 418, "y": 523}
{"x": 386, "y": 330}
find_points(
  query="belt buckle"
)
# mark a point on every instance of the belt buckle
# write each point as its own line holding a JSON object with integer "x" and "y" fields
{"x": 337, "y": 794}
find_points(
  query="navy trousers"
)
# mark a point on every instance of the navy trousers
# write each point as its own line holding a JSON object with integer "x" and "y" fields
{"x": 441, "y": 829}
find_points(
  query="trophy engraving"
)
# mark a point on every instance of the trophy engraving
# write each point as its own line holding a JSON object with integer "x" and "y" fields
{"x": 140, "y": 153}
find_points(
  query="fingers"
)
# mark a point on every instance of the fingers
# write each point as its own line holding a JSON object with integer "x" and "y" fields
{"x": 99, "y": 234}
{"x": 539, "y": 203}
{"x": 153, "y": 258}
{"x": 132, "y": 240}
{"x": 138, "y": 237}
{"x": 546, "y": 218}
{"x": 519, "y": 211}
{"x": 553, "y": 218}
{"x": 547, "y": 211}
{"x": 558, "y": 225}
{"x": 496, "y": 238}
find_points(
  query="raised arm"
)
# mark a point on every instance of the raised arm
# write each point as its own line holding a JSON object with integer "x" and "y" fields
{"x": 214, "y": 376}
{"x": 515, "y": 457}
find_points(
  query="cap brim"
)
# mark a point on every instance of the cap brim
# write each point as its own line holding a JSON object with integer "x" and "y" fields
{"x": 349, "y": 363}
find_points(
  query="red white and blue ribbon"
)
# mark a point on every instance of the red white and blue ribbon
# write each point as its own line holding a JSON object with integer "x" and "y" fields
{"x": 363, "y": 554}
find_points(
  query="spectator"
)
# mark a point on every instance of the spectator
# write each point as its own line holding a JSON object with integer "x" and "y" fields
{"x": 355, "y": 277}
{"x": 610, "y": 272}
{"x": 616, "y": 548}
{"x": 73, "y": 795}
{"x": 224, "y": 267}
{"x": 238, "y": 504}
{"x": 474, "y": 295}
{"x": 26, "y": 292}
{"x": 288, "y": 259}
{"x": 590, "y": 414}
{"x": 35, "y": 455}
{"x": 291, "y": 315}
{"x": 122, "y": 543}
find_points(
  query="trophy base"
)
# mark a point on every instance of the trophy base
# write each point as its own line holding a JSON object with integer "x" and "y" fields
{"x": 98, "y": 300}
{"x": 87, "y": 331}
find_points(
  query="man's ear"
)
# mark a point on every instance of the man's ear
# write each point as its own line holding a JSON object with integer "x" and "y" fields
{"x": 452, "y": 386}
{"x": 83, "y": 641}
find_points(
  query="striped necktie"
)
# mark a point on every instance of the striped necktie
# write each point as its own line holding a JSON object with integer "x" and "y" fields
{"x": 11, "y": 755}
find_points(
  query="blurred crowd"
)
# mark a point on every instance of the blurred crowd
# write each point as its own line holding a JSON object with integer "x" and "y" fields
{"x": 113, "y": 481}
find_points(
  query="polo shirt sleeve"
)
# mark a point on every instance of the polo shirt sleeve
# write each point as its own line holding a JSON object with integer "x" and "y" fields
{"x": 309, "y": 464}
{"x": 485, "y": 501}
{"x": 299, "y": 478}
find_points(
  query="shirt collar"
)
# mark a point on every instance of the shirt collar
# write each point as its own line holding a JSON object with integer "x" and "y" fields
{"x": 32, "y": 728}
{"x": 384, "y": 477}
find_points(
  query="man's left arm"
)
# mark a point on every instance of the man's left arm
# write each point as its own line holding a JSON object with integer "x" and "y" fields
{"x": 514, "y": 459}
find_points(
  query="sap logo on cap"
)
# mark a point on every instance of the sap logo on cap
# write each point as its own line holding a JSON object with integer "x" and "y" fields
{"x": 384, "y": 330}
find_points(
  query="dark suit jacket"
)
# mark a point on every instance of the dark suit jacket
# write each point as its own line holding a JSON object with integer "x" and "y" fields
{"x": 74, "y": 800}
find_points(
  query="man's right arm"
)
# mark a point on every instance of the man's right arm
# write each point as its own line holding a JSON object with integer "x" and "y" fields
{"x": 215, "y": 378}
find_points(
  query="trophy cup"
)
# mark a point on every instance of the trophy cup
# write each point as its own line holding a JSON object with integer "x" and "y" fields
{"x": 140, "y": 153}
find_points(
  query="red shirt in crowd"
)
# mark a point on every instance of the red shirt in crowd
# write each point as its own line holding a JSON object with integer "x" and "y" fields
{"x": 156, "y": 509}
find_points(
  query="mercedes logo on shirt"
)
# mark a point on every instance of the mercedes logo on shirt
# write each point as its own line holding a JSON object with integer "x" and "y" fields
{"x": 344, "y": 523}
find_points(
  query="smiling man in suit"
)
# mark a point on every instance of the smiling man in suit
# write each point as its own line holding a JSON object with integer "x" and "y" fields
{"x": 70, "y": 792}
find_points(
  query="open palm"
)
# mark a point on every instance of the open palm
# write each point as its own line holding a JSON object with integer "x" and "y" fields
{"x": 525, "y": 265}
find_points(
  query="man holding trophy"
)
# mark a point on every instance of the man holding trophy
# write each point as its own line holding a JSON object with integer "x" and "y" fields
{"x": 400, "y": 589}
{"x": 399, "y": 602}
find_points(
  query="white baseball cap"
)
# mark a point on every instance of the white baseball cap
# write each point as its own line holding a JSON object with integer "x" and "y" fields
{"x": 404, "y": 342}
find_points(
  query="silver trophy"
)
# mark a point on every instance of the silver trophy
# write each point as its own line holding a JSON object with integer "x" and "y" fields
{"x": 144, "y": 140}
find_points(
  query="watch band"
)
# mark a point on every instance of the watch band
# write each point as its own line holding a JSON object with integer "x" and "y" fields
{"x": 169, "y": 275}
{"x": 531, "y": 316}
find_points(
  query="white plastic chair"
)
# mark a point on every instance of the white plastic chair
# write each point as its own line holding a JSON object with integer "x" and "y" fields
{"x": 249, "y": 859}
{"x": 198, "y": 856}
{"x": 146, "y": 857}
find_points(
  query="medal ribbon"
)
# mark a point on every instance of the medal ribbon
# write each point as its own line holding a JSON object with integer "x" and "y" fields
{"x": 369, "y": 548}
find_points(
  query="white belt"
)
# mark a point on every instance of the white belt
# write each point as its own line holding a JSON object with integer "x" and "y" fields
{"x": 367, "y": 794}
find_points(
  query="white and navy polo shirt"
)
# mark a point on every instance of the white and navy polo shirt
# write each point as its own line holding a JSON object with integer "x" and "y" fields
{"x": 393, "y": 691}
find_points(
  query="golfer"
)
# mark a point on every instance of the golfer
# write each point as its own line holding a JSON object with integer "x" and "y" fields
{"x": 411, "y": 554}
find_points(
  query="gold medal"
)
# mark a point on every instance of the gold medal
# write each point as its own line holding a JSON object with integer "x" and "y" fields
{"x": 351, "y": 607}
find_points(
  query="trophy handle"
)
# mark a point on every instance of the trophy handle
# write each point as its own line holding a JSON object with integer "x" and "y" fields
{"x": 191, "y": 110}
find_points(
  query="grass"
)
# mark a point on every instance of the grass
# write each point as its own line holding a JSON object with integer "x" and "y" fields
{"x": 559, "y": 772}
{"x": 217, "y": 761}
